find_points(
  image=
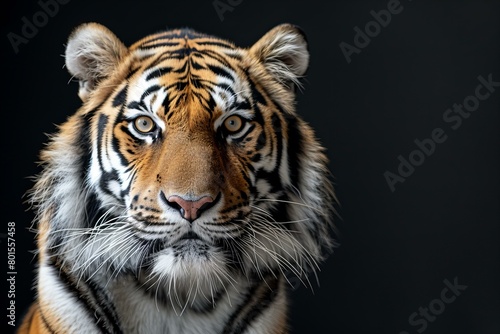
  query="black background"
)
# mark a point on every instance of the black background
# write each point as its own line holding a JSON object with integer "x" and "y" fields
{"x": 397, "y": 247}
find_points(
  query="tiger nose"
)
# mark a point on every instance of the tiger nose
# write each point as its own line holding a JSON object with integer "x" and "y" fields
{"x": 189, "y": 209}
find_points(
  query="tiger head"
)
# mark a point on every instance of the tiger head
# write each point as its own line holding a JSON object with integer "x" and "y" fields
{"x": 186, "y": 162}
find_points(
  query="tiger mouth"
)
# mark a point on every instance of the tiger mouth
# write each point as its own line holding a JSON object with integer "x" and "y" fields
{"x": 190, "y": 236}
{"x": 190, "y": 245}
{"x": 190, "y": 240}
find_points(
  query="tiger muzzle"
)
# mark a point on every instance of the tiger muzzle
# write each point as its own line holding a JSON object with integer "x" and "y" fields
{"x": 189, "y": 209}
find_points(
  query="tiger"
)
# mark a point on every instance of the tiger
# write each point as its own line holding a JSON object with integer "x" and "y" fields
{"x": 185, "y": 195}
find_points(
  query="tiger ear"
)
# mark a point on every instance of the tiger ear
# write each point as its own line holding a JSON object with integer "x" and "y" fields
{"x": 283, "y": 51}
{"x": 92, "y": 53}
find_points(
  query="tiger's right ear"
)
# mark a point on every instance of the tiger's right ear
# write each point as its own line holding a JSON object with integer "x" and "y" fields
{"x": 92, "y": 54}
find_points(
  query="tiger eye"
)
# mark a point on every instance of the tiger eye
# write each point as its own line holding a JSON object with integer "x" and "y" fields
{"x": 233, "y": 123}
{"x": 144, "y": 124}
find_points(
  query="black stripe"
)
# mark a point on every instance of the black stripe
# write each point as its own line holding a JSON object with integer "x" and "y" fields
{"x": 101, "y": 152}
{"x": 261, "y": 141}
{"x": 138, "y": 105}
{"x": 280, "y": 214}
{"x": 93, "y": 212}
{"x": 115, "y": 143}
{"x": 276, "y": 125}
{"x": 210, "y": 104}
{"x": 196, "y": 81}
{"x": 121, "y": 97}
{"x": 105, "y": 180}
{"x": 259, "y": 297}
{"x": 101, "y": 127}
{"x": 224, "y": 87}
{"x": 158, "y": 73}
{"x": 256, "y": 157}
{"x": 241, "y": 105}
{"x": 294, "y": 147}
{"x": 273, "y": 177}
{"x": 126, "y": 191}
{"x": 45, "y": 322}
{"x": 256, "y": 94}
{"x": 84, "y": 141}
{"x": 196, "y": 65}
{"x": 217, "y": 56}
{"x": 106, "y": 305}
{"x": 228, "y": 329}
{"x": 260, "y": 305}
{"x": 149, "y": 46}
{"x": 116, "y": 148}
{"x": 182, "y": 69}
{"x": 134, "y": 71}
{"x": 180, "y": 85}
{"x": 220, "y": 71}
{"x": 80, "y": 295}
{"x": 216, "y": 43}
{"x": 243, "y": 136}
{"x": 234, "y": 56}
{"x": 164, "y": 36}
{"x": 158, "y": 60}
{"x": 182, "y": 52}
{"x": 150, "y": 90}
{"x": 84, "y": 144}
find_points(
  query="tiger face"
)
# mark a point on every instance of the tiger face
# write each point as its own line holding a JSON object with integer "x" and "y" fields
{"x": 187, "y": 164}
{"x": 188, "y": 146}
{"x": 187, "y": 153}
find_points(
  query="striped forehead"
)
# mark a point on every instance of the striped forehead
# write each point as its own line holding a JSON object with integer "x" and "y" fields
{"x": 195, "y": 69}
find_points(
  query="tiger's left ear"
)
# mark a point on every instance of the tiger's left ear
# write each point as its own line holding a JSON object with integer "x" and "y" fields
{"x": 284, "y": 52}
{"x": 92, "y": 54}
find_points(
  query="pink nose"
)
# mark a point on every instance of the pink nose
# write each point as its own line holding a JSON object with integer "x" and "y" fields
{"x": 190, "y": 210}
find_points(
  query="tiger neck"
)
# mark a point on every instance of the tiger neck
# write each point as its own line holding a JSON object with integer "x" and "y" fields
{"x": 143, "y": 308}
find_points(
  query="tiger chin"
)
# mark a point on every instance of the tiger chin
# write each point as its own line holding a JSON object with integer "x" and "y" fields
{"x": 185, "y": 194}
